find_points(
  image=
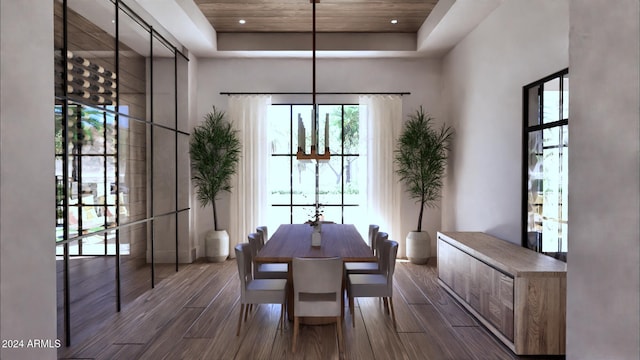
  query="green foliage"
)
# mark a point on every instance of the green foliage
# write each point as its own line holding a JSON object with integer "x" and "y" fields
{"x": 347, "y": 119}
{"x": 87, "y": 125}
{"x": 421, "y": 156}
{"x": 215, "y": 151}
{"x": 351, "y": 128}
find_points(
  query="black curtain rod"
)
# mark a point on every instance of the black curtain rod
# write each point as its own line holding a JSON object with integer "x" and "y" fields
{"x": 319, "y": 93}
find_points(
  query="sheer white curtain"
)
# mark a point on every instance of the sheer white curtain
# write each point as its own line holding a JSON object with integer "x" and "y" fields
{"x": 380, "y": 124}
{"x": 248, "y": 200}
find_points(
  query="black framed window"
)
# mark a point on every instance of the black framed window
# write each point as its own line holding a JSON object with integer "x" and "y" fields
{"x": 545, "y": 165}
{"x": 91, "y": 159}
{"x": 292, "y": 187}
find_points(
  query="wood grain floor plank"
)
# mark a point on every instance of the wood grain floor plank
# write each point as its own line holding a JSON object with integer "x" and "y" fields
{"x": 420, "y": 346}
{"x": 314, "y": 341}
{"x": 357, "y": 343}
{"x": 217, "y": 324}
{"x": 384, "y": 340}
{"x": 487, "y": 347}
{"x": 446, "y": 344}
{"x": 282, "y": 344}
{"x": 189, "y": 349}
{"x": 225, "y": 344}
{"x": 120, "y": 352}
{"x": 135, "y": 324}
{"x": 220, "y": 274}
{"x": 225, "y": 305}
{"x": 135, "y": 281}
{"x": 164, "y": 342}
{"x": 192, "y": 314}
{"x": 154, "y": 317}
{"x": 317, "y": 342}
{"x": 405, "y": 319}
{"x": 407, "y": 287}
{"x": 483, "y": 345}
{"x": 260, "y": 333}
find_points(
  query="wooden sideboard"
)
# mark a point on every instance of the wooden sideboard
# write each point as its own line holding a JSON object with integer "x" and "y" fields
{"x": 518, "y": 294}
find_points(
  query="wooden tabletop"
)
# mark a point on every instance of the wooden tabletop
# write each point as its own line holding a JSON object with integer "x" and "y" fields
{"x": 294, "y": 240}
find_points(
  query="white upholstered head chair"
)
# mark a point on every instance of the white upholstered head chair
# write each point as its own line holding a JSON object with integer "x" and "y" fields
{"x": 376, "y": 285}
{"x": 269, "y": 270}
{"x": 257, "y": 291}
{"x": 370, "y": 267}
{"x": 317, "y": 292}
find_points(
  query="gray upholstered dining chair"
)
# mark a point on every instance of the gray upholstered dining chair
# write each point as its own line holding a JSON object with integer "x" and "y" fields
{"x": 368, "y": 267}
{"x": 376, "y": 285}
{"x": 257, "y": 291}
{"x": 373, "y": 235}
{"x": 262, "y": 230}
{"x": 317, "y": 292}
{"x": 266, "y": 270}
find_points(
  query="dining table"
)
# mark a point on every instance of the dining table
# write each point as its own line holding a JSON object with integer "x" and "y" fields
{"x": 294, "y": 240}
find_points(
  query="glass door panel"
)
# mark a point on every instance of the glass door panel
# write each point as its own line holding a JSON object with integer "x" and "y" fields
{"x": 546, "y": 189}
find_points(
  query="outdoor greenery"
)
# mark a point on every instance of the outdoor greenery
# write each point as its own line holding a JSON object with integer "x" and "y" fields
{"x": 421, "y": 156}
{"x": 349, "y": 131}
{"x": 215, "y": 151}
{"x": 86, "y": 134}
{"x": 90, "y": 153}
{"x": 347, "y": 190}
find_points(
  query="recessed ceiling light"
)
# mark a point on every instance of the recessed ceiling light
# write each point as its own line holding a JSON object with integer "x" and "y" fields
{"x": 394, "y": 21}
{"x": 241, "y": 21}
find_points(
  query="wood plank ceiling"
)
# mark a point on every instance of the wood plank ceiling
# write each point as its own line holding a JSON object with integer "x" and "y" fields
{"x": 331, "y": 15}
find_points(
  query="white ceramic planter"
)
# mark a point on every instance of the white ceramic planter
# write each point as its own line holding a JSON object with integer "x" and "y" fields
{"x": 216, "y": 245}
{"x": 418, "y": 247}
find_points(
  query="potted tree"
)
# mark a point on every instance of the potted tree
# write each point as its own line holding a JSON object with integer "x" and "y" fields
{"x": 420, "y": 157}
{"x": 215, "y": 152}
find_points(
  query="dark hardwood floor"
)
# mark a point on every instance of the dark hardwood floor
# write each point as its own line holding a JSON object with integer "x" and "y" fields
{"x": 93, "y": 290}
{"x": 192, "y": 314}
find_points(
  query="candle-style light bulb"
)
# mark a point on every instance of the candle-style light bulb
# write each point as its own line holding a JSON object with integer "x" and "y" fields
{"x": 326, "y": 132}
{"x": 300, "y": 133}
{"x": 314, "y": 128}
{"x": 304, "y": 139}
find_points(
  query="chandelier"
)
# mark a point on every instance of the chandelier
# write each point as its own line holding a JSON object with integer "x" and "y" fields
{"x": 314, "y": 152}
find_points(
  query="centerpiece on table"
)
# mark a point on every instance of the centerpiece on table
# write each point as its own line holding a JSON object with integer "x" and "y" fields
{"x": 316, "y": 223}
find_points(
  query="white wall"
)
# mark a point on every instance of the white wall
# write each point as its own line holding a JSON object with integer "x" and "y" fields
{"x": 420, "y": 77}
{"x": 193, "y": 118}
{"x": 603, "y": 297}
{"x": 520, "y": 42}
{"x": 27, "y": 197}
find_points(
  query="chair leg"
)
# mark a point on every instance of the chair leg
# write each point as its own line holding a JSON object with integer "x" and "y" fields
{"x": 386, "y": 305}
{"x": 240, "y": 319}
{"x": 340, "y": 337}
{"x": 351, "y": 304}
{"x": 393, "y": 314}
{"x": 246, "y": 311}
{"x": 352, "y": 310}
{"x": 296, "y": 327}
{"x": 281, "y": 318}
